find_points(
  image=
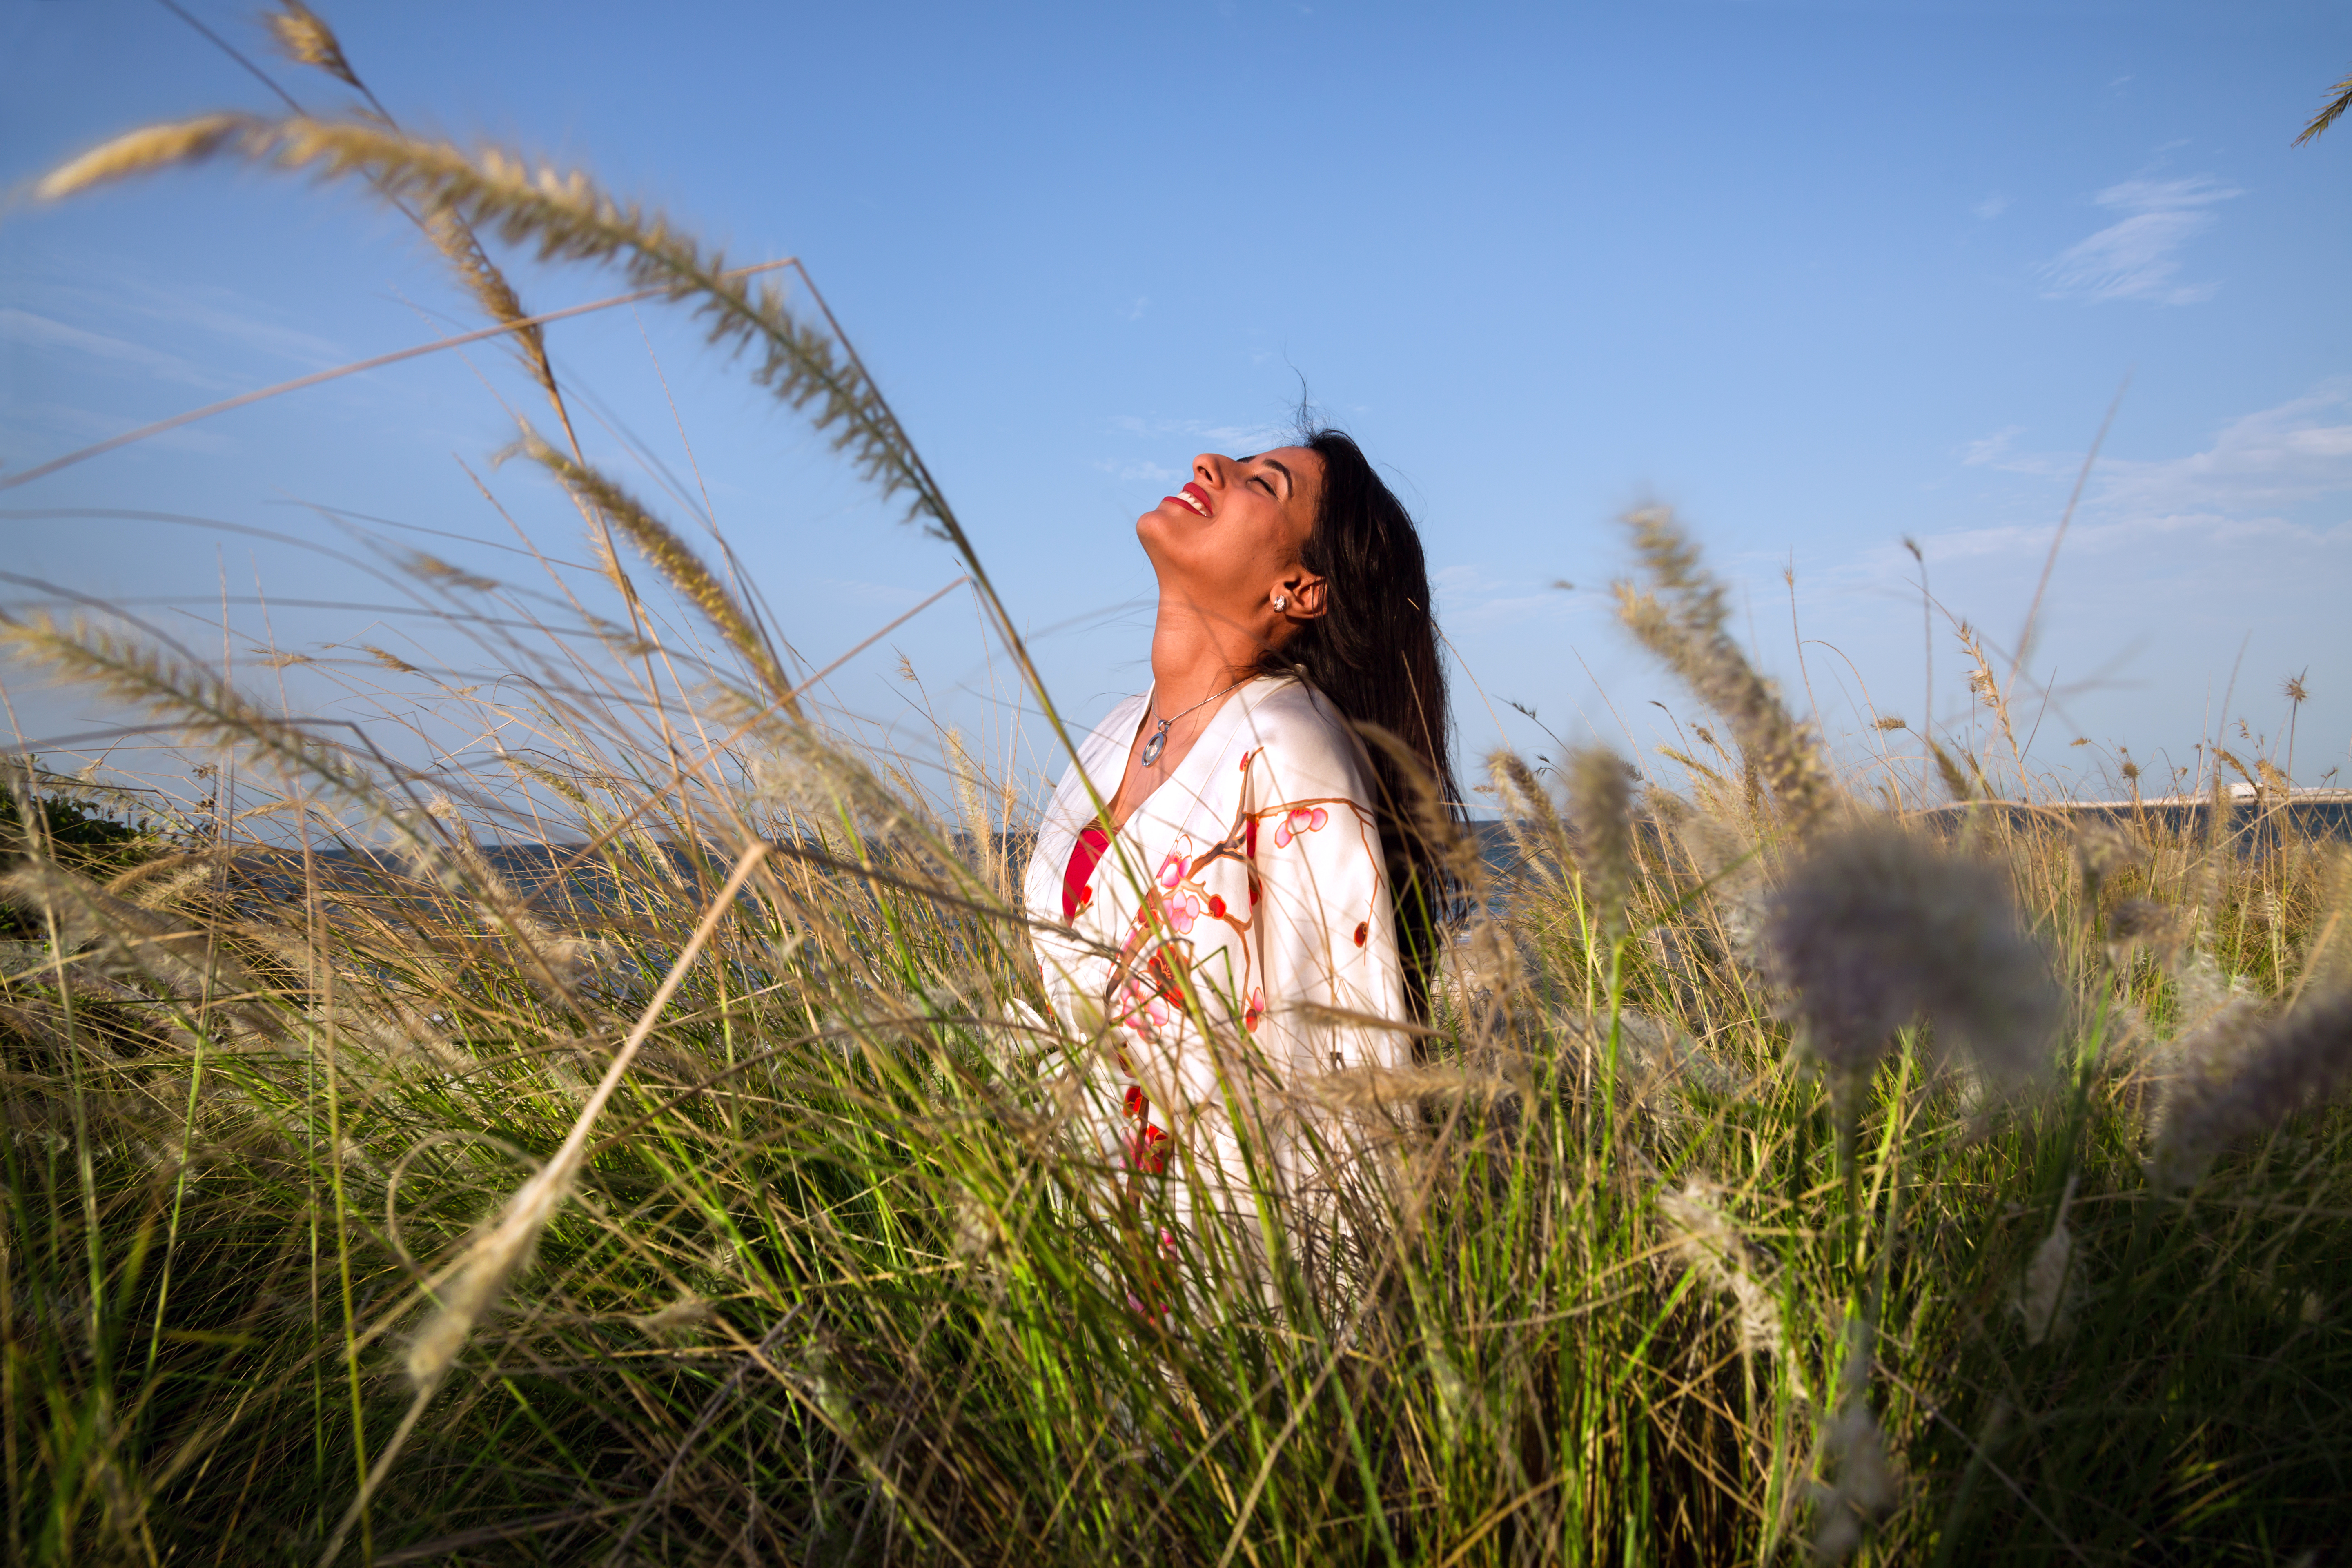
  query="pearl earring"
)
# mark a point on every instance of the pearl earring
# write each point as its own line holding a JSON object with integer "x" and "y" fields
{"x": 1282, "y": 601}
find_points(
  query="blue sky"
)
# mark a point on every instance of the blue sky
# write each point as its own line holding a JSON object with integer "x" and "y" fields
{"x": 1822, "y": 276}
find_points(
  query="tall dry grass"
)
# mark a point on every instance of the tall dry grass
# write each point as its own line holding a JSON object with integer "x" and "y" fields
{"x": 1800, "y": 1167}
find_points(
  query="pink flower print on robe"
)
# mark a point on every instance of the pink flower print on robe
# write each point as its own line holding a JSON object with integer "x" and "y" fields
{"x": 1298, "y": 820}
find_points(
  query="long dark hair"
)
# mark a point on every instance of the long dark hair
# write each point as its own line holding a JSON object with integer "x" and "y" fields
{"x": 1373, "y": 655}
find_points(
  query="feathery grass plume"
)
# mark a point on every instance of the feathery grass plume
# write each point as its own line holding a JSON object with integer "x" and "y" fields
{"x": 391, "y": 661}
{"x": 463, "y": 251}
{"x": 1528, "y": 816}
{"x": 2209, "y": 875}
{"x": 206, "y": 706}
{"x": 1852, "y": 1444}
{"x": 1955, "y": 781}
{"x": 1680, "y": 616}
{"x": 564, "y": 216}
{"x": 2283, "y": 1065}
{"x": 1601, "y": 809}
{"x": 2140, "y": 922}
{"x": 981, "y": 1237}
{"x": 2042, "y": 1299}
{"x": 161, "y": 883}
{"x": 142, "y": 151}
{"x": 1892, "y": 721}
{"x": 498, "y": 1252}
{"x": 304, "y": 38}
{"x": 1988, "y": 690}
{"x": 2225, "y": 754}
{"x": 2330, "y": 112}
{"x": 1878, "y": 927}
{"x": 2103, "y": 851}
{"x": 669, "y": 554}
{"x": 434, "y": 569}
{"x": 967, "y": 775}
{"x": 1710, "y": 1241}
{"x": 85, "y": 914}
{"x": 687, "y": 1312}
{"x": 2327, "y": 960}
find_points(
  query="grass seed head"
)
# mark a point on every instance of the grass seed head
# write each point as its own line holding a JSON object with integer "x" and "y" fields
{"x": 304, "y": 38}
{"x": 2278, "y": 1066}
{"x": 142, "y": 151}
{"x": 1600, "y": 808}
{"x": 1682, "y": 614}
{"x": 1864, "y": 1490}
{"x": 501, "y": 1249}
{"x": 2043, "y": 1297}
{"x": 2140, "y": 922}
{"x": 1878, "y": 928}
{"x": 1711, "y": 1242}
{"x": 1854, "y": 1448}
{"x": 2104, "y": 851}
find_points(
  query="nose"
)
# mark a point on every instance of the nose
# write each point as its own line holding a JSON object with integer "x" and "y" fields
{"x": 1210, "y": 469}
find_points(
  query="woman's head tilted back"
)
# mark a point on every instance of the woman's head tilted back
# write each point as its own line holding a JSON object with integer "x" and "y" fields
{"x": 1301, "y": 560}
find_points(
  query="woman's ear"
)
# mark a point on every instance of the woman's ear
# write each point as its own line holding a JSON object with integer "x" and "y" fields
{"x": 1309, "y": 595}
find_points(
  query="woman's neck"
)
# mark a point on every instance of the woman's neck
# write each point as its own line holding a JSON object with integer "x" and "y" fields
{"x": 1192, "y": 659}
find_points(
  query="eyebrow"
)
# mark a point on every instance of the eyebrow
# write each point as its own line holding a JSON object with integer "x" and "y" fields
{"x": 1289, "y": 485}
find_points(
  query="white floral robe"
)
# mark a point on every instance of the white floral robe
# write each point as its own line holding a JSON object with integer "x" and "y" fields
{"x": 1234, "y": 943}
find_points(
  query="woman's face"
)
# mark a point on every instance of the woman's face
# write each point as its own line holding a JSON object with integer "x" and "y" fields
{"x": 1230, "y": 539}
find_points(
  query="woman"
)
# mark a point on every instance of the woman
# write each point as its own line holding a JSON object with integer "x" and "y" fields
{"x": 1251, "y": 888}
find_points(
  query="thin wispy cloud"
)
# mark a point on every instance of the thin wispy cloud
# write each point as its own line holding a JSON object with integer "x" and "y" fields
{"x": 2138, "y": 257}
{"x": 223, "y": 315}
{"x": 1139, "y": 473}
{"x": 1994, "y": 451}
{"x": 1235, "y": 440}
{"x": 30, "y": 330}
{"x": 2245, "y": 485}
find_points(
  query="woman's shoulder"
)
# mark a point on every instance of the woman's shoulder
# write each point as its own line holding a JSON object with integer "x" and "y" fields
{"x": 1304, "y": 743}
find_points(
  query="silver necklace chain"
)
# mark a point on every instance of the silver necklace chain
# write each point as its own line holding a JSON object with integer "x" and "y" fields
{"x": 1158, "y": 742}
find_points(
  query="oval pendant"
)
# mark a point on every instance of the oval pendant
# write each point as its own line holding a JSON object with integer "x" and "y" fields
{"x": 1157, "y": 744}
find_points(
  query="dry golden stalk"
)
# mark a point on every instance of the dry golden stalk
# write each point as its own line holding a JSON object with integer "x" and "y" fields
{"x": 1682, "y": 617}
{"x": 669, "y": 554}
